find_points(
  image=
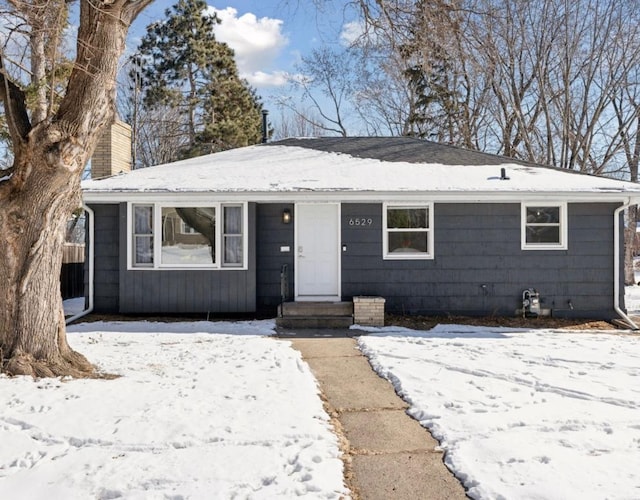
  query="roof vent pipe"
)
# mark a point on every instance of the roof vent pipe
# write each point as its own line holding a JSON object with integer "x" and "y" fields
{"x": 265, "y": 132}
{"x": 503, "y": 174}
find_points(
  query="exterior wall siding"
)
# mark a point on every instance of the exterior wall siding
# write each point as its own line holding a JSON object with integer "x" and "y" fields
{"x": 479, "y": 267}
{"x": 272, "y": 234}
{"x": 474, "y": 245}
{"x": 106, "y": 259}
{"x": 187, "y": 291}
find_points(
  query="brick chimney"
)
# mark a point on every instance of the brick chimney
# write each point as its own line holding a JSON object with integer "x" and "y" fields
{"x": 113, "y": 152}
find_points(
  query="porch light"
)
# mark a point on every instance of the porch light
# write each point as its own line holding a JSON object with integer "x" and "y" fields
{"x": 286, "y": 216}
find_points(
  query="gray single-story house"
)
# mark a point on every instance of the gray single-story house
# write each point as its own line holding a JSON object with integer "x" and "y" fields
{"x": 432, "y": 229}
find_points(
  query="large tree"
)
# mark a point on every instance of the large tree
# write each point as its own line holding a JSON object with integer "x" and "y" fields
{"x": 184, "y": 68}
{"x": 52, "y": 138}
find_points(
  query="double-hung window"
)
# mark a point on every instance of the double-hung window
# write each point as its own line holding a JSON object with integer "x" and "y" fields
{"x": 544, "y": 226}
{"x": 142, "y": 237}
{"x": 232, "y": 236}
{"x": 408, "y": 231}
{"x": 174, "y": 236}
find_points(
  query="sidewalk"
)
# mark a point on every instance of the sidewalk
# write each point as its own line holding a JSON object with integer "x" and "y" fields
{"x": 387, "y": 454}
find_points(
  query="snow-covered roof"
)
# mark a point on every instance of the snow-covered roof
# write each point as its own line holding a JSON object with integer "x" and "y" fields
{"x": 350, "y": 168}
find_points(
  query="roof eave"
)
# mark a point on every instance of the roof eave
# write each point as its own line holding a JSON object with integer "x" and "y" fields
{"x": 361, "y": 196}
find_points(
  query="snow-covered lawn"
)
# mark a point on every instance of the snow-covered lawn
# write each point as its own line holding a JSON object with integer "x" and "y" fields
{"x": 523, "y": 414}
{"x": 193, "y": 415}
{"x": 218, "y": 410}
{"x": 632, "y": 298}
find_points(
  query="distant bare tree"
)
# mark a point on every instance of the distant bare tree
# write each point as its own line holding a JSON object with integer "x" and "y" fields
{"x": 160, "y": 135}
{"x": 290, "y": 124}
{"x": 554, "y": 80}
{"x": 532, "y": 79}
{"x": 414, "y": 76}
{"x": 325, "y": 83}
{"x": 382, "y": 96}
{"x": 627, "y": 111}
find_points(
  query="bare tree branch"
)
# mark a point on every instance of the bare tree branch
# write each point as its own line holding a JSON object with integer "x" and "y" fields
{"x": 14, "y": 101}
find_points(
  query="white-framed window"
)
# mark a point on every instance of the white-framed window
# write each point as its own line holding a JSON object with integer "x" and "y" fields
{"x": 197, "y": 248}
{"x": 142, "y": 235}
{"x": 544, "y": 226}
{"x": 232, "y": 236}
{"x": 182, "y": 235}
{"x": 407, "y": 231}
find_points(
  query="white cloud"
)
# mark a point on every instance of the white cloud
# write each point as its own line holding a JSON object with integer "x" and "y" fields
{"x": 274, "y": 79}
{"x": 351, "y": 32}
{"x": 257, "y": 43}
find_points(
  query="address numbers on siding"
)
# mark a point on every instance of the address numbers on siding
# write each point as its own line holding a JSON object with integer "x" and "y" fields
{"x": 360, "y": 221}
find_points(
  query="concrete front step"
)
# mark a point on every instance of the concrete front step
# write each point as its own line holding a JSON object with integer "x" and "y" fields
{"x": 315, "y": 309}
{"x": 315, "y": 315}
{"x": 314, "y": 321}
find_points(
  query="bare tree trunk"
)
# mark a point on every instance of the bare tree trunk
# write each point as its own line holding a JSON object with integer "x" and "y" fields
{"x": 43, "y": 190}
{"x": 32, "y": 325}
{"x": 632, "y": 151}
{"x": 629, "y": 245}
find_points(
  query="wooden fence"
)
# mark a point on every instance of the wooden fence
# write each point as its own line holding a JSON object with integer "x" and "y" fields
{"x": 72, "y": 275}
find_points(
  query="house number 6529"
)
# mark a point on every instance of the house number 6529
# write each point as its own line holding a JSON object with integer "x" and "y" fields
{"x": 360, "y": 221}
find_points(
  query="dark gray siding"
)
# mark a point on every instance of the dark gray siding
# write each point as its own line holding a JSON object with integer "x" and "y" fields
{"x": 479, "y": 267}
{"x": 187, "y": 291}
{"x": 272, "y": 234}
{"x": 106, "y": 258}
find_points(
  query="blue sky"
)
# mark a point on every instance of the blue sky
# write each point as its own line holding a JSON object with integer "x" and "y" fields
{"x": 268, "y": 36}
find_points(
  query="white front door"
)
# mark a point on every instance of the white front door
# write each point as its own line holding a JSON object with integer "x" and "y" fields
{"x": 317, "y": 251}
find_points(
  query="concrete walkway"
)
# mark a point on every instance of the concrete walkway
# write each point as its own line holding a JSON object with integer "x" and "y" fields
{"x": 387, "y": 454}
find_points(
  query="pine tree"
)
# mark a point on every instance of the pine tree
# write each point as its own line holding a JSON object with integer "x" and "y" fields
{"x": 186, "y": 68}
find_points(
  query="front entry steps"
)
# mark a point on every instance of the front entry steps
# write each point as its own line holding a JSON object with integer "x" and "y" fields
{"x": 315, "y": 315}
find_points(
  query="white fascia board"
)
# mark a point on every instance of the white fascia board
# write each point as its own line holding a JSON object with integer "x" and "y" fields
{"x": 360, "y": 196}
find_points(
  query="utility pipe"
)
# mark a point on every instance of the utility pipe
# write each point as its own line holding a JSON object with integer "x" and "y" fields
{"x": 616, "y": 265}
{"x": 90, "y": 230}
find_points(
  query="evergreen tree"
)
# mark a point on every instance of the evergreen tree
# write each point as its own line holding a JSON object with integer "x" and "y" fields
{"x": 186, "y": 68}
{"x": 432, "y": 74}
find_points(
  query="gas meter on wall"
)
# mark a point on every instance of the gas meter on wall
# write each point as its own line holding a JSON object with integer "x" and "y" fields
{"x": 530, "y": 303}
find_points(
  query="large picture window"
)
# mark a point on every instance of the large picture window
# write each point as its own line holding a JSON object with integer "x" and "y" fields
{"x": 196, "y": 247}
{"x": 544, "y": 226}
{"x": 175, "y": 236}
{"x": 408, "y": 232}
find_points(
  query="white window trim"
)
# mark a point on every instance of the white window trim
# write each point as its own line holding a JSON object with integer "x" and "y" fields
{"x": 132, "y": 236}
{"x": 157, "y": 237}
{"x": 221, "y": 236}
{"x": 386, "y": 255}
{"x": 564, "y": 226}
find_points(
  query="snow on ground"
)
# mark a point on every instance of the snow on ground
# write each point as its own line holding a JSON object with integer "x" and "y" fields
{"x": 73, "y": 306}
{"x": 632, "y": 299}
{"x": 192, "y": 415}
{"x": 216, "y": 410}
{"x": 523, "y": 414}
